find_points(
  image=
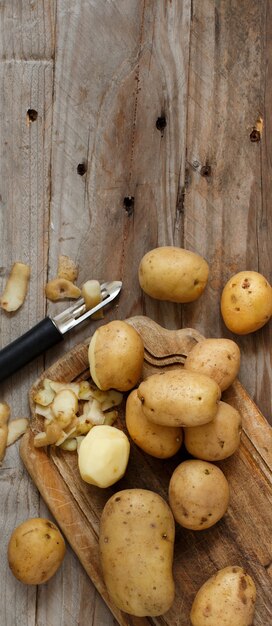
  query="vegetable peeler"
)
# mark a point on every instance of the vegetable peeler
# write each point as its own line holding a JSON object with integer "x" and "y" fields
{"x": 50, "y": 331}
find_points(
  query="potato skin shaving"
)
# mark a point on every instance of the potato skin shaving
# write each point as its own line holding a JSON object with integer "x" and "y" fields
{"x": 16, "y": 287}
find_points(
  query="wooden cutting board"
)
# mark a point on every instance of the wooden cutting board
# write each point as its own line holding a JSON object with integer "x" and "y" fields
{"x": 242, "y": 537}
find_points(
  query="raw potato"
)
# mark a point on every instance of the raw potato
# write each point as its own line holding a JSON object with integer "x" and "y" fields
{"x": 116, "y": 356}
{"x": 36, "y": 550}
{"x": 218, "y": 439}
{"x": 218, "y": 358}
{"x": 173, "y": 274}
{"x": 136, "y": 541}
{"x": 226, "y": 599}
{"x": 67, "y": 268}
{"x": 198, "y": 494}
{"x": 179, "y": 398}
{"x": 103, "y": 456}
{"x": 16, "y": 287}
{"x": 161, "y": 442}
{"x": 60, "y": 288}
{"x": 246, "y": 302}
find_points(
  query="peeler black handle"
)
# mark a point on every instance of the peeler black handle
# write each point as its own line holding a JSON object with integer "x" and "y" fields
{"x": 30, "y": 345}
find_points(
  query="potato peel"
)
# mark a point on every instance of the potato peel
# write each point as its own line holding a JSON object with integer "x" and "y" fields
{"x": 61, "y": 288}
{"x": 16, "y": 287}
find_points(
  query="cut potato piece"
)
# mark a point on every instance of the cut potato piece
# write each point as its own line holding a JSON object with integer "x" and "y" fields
{"x": 70, "y": 445}
{"x": 91, "y": 292}
{"x": 61, "y": 288}
{"x": 16, "y": 287}
{"x": 59, "y": 386}
{"x": 16, "y": 429}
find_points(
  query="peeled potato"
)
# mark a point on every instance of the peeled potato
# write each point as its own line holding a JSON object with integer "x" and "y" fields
{"x": 36, "y": 550}
{"x": 218, "y": 358}
{"x": 246, "y": 302}
{"x": 173, "y": 274}
{"x": 103, "y": 456}
{"x": 161, "y": 442}
{"x": 116, "y": 356}
{"x": 226, "y": 599}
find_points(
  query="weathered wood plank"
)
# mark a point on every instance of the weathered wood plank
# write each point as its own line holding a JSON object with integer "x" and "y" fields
{"x": 26, "y": 73}
{"x": 119, "y": 67}
{"x": 226, "y": 203}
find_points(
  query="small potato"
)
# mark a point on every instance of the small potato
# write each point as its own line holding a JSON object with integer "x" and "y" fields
{"x": 103, "y": 456}
{"x": 136, "y": 541}
{"x": 161, "y": 442}
{"x": 246, "y": 302}
{"x": 198, "y": 494}
{"x": 218, "y": 439}
{"x": 116, "y": 356}
{"x": 218, "y": 358}
{"x": 226, "y": 599}
{"x": 173, "y": 274}
{"x": 179, "y": 398}
{"x": 36, "y": 550}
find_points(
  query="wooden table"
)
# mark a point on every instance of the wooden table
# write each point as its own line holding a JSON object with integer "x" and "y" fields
{"x": 127, "y": 124}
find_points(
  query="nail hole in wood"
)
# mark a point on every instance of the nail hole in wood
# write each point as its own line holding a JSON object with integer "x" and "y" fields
{"x": 255, "y": 135}
{"x": 32, "y": 115}
{"x": 206, "y": 171}
{"x": 161, "y": 123}
{"x": 129, "y": 204}
{"x": 81, "y": 169}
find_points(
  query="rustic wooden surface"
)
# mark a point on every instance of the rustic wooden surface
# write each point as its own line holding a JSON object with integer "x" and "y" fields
{"x": 100, "y": 74}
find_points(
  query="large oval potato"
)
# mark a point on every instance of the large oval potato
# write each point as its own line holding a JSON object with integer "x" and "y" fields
{"x": 246, "y": 302}
{"x": 36, "y": 550}
{"x": 179, "y": 398}
{"x": 218, "y": 358}
{"x": 218, "y": 439}
{"x": 116, "y": 356}
{"x": 136, "y": 541}
{"x": 198, "y": 494}
{"x": 161, "y": 442}
{"x": 173, "y": 274}
{"x": 226, "y": 599}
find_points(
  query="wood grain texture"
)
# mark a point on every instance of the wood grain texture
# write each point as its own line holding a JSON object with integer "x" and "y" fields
{"x": 99, "y": 74}
{"x": 227, "y": 215}
{"x": 77, "y": 507}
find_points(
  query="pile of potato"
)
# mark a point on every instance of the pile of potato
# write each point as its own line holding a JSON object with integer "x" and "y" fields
{"x": 183, "y": 404}
{"x": 164, "y": 411}
{"x": 137, "y": 532}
